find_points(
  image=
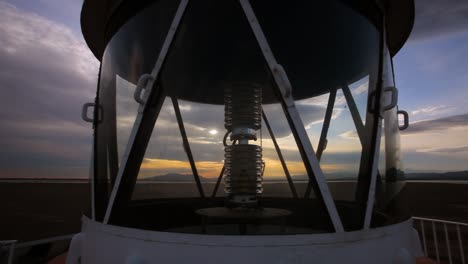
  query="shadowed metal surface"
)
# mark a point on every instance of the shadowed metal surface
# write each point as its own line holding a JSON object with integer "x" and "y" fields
{"x": 215, "y": 47}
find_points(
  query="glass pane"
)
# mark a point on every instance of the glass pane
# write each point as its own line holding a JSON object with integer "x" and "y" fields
{"x": 204, "y": 124}
{"x": 165, "y": 171}
{"x": 341, "y": 159}
{"x": 289, "y": 151}
{"x": 360, "y": 91}
{"x": 126, "y": 110}
{"x": 206, "y": 77}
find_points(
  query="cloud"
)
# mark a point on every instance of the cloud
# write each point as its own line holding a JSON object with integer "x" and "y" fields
{"x": 437, "y": 125}
{"x": 46, "y": 74}
{"x": 351, "y": 134}
{"x": 437, "y": 18}
{"x": 433, "y": 110}
{"x": 446, "y": 150}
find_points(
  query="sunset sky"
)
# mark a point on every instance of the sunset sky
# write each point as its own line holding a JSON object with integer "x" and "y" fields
{"x": 47, "y": 73}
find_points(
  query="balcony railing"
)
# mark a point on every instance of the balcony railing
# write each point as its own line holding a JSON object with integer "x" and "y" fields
{"x": 442, "y": 240}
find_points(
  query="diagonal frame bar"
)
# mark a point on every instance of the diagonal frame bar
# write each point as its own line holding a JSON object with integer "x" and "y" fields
{"x": 280, "y": 156}
{"x": 218, "y": 182}
{"x": 186, "y": 143}
{"x": 283, "y": 87}
{"x": 145, "y": 120}
{"x": 354, "y": 113}
{"x": 322, "y": 145}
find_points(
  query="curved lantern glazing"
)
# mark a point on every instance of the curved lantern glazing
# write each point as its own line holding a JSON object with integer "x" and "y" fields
{"x": 248, "y": 118}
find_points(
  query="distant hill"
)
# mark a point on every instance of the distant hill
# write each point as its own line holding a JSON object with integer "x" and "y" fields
{"x": 413, "y": 176}
{"x": 175, "y": 177}
{"x": 449, "y": 176}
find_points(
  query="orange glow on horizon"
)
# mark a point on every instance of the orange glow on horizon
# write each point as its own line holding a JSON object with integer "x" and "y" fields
{"x": 211, "y": 169}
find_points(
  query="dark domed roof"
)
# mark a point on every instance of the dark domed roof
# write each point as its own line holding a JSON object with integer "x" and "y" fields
{"x": 100, "y": 20}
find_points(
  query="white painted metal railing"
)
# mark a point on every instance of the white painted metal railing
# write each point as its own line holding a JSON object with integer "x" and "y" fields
{"x": 436, "y": 226}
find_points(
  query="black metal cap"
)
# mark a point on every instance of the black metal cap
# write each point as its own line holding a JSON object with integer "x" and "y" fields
{"x": 101, "y": 19}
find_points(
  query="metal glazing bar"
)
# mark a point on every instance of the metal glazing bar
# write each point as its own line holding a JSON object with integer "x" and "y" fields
{"x": 424, "y": 237}
{"x": 460, "y": 245}
{"x": 448, "y": 244}
{"x": 354, "y": 113}
{"x": 373, "y": 182}
{"x": 102, "y": 135}
{"x": 112, "y": 159}
{"x": 284, "y": 89}
{"x": 368, "y": 167}
{"x": 186, "y": 143}
{"x": 93, "y": 152}
{"x": 218, "y": 182}
{"x": 144, "y": 123}
{"x": 326, "y": 124}
{"x": 434, "y": 233}
{"x": 91, "y": 180}
{"x": 280, "y": 156}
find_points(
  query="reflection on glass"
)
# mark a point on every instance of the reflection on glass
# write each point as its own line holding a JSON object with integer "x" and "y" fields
{"x": 197, "y": 72}
{"x": 126, "y": 111}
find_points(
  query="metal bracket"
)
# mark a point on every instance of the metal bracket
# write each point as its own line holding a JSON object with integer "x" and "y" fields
{"x": 394, "y": 98}
{"x": 284, "y": 85}
{"x": 84, "y": 113}
{"x": 393, "y": 103}
{"x": 141, "y": 85}
{"x": 405, "y": 119}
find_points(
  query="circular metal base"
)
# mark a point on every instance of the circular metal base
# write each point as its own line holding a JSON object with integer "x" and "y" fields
{"x": 243, "y": 213}
{"x": 243, "y": 217}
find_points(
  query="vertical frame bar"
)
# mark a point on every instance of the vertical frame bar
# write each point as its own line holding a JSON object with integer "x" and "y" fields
{"x": 101, "y": 181}
{"x": 434, "y": 232}
{"x": 92, "y": 161}
{"x": 91, "y": 180}
{"x": 11, "y": 252}
{"x": 447, "y": 243}
{"x": 187, "y": 149}
{"x": 144, "y": 123}
{"x": 368, "y": 168}
{"x": 460, "y": 244}
{"x": 424, "y": 237}
{"x": 283, "y": 85}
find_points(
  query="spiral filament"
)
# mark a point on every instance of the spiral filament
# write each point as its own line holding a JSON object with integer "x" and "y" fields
{"x": 243, "y": 161}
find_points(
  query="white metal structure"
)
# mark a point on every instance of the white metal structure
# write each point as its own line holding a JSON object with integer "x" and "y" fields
{"x": 369, "y": 237}
{"x": 125, "y": 245}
